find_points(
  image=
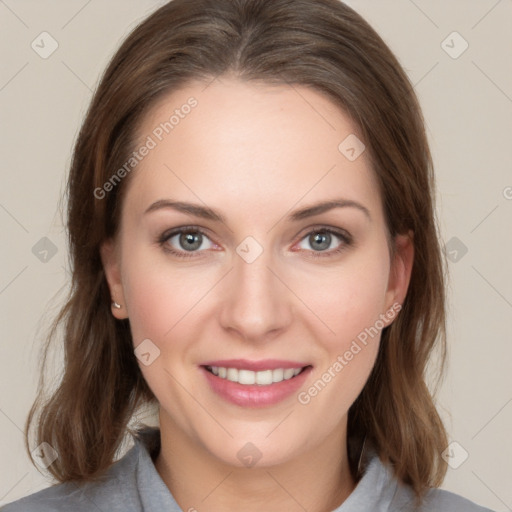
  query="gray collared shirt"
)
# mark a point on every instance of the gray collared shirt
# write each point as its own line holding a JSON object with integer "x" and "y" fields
{"x": 133, "y": 484}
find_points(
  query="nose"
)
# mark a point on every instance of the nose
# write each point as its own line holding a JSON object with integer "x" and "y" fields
{"x": 256, "y": 303}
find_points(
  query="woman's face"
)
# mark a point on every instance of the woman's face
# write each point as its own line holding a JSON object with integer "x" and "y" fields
{"x": 267, "y": 280}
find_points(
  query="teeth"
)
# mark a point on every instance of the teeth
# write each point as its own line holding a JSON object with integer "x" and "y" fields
{"x": 264, "y": 378}
{"x": 277, "y": 375}
{"x": 248, "y": 377}
{"x": 288, "y": 373}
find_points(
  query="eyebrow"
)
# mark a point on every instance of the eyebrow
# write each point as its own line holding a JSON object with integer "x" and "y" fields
{"x": 210, "y": 214}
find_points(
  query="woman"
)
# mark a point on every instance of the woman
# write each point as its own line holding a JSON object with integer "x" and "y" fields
{"x": 255, "y": 253}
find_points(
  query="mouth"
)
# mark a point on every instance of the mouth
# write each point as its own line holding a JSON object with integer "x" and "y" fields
{"x": 248, "y": 377}
{"x": 251, "y": 384}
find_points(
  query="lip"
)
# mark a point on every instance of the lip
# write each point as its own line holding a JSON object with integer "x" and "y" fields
{"x": 256, "y": 366}
{"x": 253, "y": 395}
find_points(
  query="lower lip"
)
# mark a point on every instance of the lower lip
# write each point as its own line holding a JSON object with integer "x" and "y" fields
{"x": 253, "y": 395}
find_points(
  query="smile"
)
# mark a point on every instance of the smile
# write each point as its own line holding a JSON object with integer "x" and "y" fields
{"x": 250, "y": 377}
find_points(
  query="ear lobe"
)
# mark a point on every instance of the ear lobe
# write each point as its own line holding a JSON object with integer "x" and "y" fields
{"x": 111, "y": 267}
{"x": 401, "y": 269}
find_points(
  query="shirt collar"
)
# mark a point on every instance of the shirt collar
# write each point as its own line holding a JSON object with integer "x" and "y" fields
{"x": 377, "y": 489}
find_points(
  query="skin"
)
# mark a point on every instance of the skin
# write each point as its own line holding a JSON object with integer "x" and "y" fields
{"x": 255, "y": 153}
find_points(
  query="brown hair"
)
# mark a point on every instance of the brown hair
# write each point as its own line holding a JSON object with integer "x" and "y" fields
{"x": 322, "y": 44}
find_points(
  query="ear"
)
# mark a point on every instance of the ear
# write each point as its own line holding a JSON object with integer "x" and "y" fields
{"x": 400, "y": 270}
{"x": 111, "y": 266}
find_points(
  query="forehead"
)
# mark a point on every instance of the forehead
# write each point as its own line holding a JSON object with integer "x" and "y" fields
{"x": 253, "y": 145}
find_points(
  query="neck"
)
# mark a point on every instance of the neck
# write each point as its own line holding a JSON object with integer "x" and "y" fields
{"x": 318, "y": 480}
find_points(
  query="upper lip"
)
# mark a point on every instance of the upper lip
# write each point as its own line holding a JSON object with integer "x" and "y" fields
{"x": 255, "y": 366}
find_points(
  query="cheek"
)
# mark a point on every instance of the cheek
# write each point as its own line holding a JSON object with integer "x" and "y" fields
{"x": 351, "y": 297}
{"x": 350, "y": 305}
{"x": 156, "y": 297}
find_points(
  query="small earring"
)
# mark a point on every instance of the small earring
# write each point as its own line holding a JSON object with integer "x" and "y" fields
{"x": 116, "y": 305}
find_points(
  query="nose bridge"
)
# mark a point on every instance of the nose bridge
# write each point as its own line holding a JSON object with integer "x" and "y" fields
{"x": 256, "y": 301}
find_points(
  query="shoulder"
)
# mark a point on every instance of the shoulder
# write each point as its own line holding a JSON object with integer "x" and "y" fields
{"x": 391, "y": 495}
{"x": 434, "y": 500}
{"x": 117, "y": 486}
{"x": 439, "y": 500}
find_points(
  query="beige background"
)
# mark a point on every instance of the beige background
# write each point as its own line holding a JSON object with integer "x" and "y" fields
{"x": 467, "y": 103}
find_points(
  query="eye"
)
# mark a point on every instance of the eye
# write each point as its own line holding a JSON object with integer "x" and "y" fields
{"x": 185, "y": 242}
{"x": 189, "y": 241}
{"x": 323, "y": 242}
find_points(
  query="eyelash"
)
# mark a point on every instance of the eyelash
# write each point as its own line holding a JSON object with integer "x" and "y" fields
{"x": 343, "y": 236}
